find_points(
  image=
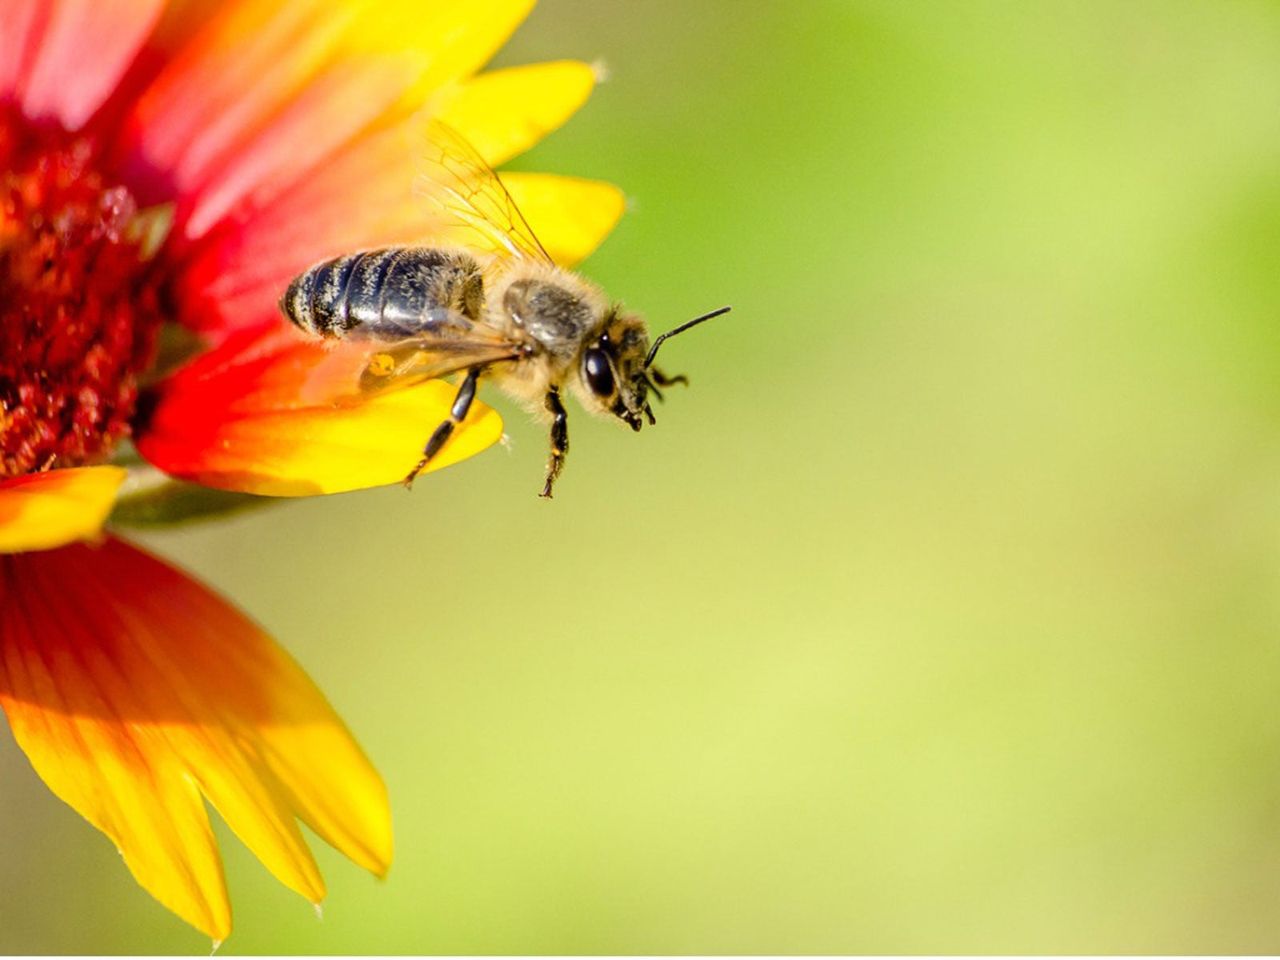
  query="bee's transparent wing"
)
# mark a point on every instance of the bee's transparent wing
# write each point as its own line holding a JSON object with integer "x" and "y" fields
{"x": 438, "y": 343}
{"x": 471, "y": 206}
{"x": 392, "y": 366}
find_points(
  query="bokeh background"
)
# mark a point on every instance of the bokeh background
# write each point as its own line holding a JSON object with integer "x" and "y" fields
{"x": 941, "y": 613}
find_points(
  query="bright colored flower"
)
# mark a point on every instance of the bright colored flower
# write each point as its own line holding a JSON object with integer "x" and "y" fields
{"x": 177, "y": 165}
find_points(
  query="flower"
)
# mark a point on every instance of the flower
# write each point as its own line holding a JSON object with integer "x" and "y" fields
{"x": 173, "y": 166}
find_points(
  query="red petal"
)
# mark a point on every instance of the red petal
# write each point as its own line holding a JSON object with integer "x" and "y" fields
{"x": 332, "y": 109}
{"x": 24, "y": 22}
{"x": 240, "y": 67}
{"x": 361, "y": 197}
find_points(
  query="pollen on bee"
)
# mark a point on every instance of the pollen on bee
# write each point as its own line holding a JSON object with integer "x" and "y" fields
{"x": 381, "y": 365}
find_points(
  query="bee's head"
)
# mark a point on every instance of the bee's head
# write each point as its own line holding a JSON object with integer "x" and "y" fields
{"x": 612, "y": 372}
{"x": 616, "y": 369}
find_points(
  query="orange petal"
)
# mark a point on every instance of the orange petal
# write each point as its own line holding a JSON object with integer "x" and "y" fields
{"x": 133, "y": 690}
{"x": 249, "y": 65}
{"x": 82, "y": 49}
{"x": 502, "y": 113}
{"x": 239, "y": 68}
{"x": 270, "y": 413}
{"x": 39, "y": 511}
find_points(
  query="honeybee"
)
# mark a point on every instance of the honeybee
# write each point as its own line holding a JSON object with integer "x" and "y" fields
{"x": 513, "y": 317}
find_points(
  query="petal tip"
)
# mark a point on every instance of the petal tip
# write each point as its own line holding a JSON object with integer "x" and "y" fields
{"x": 379, "y": 853}
{"x": 41, "y": 511}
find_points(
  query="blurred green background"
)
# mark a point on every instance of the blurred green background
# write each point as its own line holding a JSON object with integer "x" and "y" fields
{"x": 941, "y": 613}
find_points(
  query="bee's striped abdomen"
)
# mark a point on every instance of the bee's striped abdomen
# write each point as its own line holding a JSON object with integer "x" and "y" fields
{"x": 388, "y": 294}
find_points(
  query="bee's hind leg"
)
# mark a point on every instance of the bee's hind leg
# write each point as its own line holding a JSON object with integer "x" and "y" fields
{"x": 457, "y": 413}
{"x": 559, "y": 440}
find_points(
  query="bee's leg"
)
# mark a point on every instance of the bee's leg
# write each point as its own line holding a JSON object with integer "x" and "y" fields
{"x": 458, "y": 413}
{"x": 559, "y": 440}
{"x": 662, "y": 380}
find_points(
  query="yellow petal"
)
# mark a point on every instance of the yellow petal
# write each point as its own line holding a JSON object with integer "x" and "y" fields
{"x": 504, "y": 112}
{"x": 570, "y": 216}
{"x": 40, "y": 511}
{"x": 453, "y": 40}
{"x": 295, "y": 453}
{"x": 302, "y": 759}
{"x": 133, "y": 690}
{"x": 450, "y": 40}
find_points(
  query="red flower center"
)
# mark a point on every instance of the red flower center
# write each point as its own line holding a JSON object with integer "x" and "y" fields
{"x": 79, "y": 314}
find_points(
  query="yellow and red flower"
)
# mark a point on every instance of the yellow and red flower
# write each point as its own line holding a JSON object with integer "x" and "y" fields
{"x": 176, "y": 164}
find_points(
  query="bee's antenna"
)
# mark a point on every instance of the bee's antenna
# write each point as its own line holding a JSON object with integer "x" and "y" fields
{"x": 653, "y": 351}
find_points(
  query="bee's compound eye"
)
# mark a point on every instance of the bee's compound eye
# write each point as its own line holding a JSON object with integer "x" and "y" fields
{"x": 595, "y": 366}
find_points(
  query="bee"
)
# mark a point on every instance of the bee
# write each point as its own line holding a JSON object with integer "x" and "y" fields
{"x": 513, "y": 317}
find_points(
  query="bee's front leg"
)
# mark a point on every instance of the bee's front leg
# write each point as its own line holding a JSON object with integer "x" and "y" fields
{"x": 662, "y": 380}
{"x": 458, "y": 413}
{"x": 559, "y": 439}
{"x": 659, "y": 379}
